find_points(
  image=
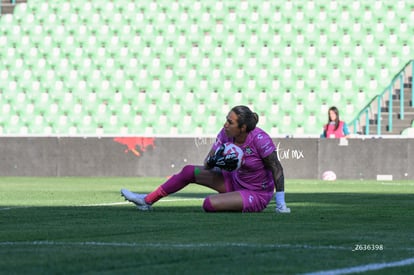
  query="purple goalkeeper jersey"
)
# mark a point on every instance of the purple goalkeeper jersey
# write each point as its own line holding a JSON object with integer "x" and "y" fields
{"x": 252, "y": 175}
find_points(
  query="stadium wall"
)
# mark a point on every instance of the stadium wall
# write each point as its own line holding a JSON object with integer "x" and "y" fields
{"x": 302, "y": 158}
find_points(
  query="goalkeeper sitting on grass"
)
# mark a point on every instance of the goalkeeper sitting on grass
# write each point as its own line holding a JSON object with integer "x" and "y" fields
{"x": 247, "y": 189}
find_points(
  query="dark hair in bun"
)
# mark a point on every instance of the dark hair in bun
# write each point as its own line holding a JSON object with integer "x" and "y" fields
{"x": 246, "y": 116}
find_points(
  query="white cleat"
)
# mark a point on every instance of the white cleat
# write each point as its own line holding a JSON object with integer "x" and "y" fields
{"x": 137, "y": 199}
{"x": 282, "y": 209}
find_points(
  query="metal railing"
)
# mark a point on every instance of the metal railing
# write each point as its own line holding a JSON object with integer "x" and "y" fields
{"x": 377, "y": 103}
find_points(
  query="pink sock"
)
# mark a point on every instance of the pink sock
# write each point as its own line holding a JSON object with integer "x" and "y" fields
{"x": 207, "y": 205}
{"x": 156, "y": 195}
{"x": 173, "y": 184}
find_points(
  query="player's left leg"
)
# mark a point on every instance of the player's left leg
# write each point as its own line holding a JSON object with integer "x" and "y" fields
{"x": 189, "y": 174}
{"x": 212, "y": 178}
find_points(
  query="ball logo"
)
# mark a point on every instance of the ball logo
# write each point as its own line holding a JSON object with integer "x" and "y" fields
{"x": 233, "y": 149}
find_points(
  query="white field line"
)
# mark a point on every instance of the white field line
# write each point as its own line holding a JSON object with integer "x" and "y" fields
{"x": 186, "y": 245}
{"x": 162, "y": 200}
{"x": 363, "y": 268}
{"x": 171, "y": 245}
{"x": 14, "y": 207}
{"x": 392, "y": 183}
{"x": 349, "y": 270}
{"x": 104, "y": 204}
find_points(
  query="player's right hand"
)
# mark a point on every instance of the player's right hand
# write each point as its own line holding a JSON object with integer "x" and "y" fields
{"x": 228, "y": 162}
{"x": 212, "y": 160}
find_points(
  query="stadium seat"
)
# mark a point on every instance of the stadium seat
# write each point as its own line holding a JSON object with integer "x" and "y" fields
{"x": 408, "y": 132}
{"x": 243, "y": 52}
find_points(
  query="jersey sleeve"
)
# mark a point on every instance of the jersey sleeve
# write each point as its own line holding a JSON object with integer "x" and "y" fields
{"x": 264, "y": 144}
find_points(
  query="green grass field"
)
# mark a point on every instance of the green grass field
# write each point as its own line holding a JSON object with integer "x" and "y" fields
{"x": 82, "y": 225}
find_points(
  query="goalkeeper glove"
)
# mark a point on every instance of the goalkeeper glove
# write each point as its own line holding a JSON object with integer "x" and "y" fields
{"x": 226, "y": 162}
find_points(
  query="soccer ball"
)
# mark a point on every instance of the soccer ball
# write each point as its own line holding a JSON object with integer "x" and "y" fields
{"x": 233, "y": 148}
{"x": 329, "y": 175}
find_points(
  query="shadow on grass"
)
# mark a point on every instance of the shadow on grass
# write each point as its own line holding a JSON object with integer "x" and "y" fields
{"x": 322, "y": 200}
{"x": 337, "y": 209}
{"x": 323, "y": 227}
{"x": 317, "y": 220}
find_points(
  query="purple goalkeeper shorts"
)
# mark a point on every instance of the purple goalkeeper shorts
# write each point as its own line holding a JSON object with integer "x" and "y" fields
{"x": 253, "y": 201}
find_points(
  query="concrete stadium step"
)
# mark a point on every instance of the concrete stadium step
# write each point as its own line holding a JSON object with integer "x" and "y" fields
{"x": 407, "y": 93}
{"x": 395, "y": 116}
{"x": 396, "y": 130}
{"x": 396, "y": 102}
{"x": 398, "y": 124}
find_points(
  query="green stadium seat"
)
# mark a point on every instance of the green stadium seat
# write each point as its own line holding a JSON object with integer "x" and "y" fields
{"x": 246, "y": 52}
